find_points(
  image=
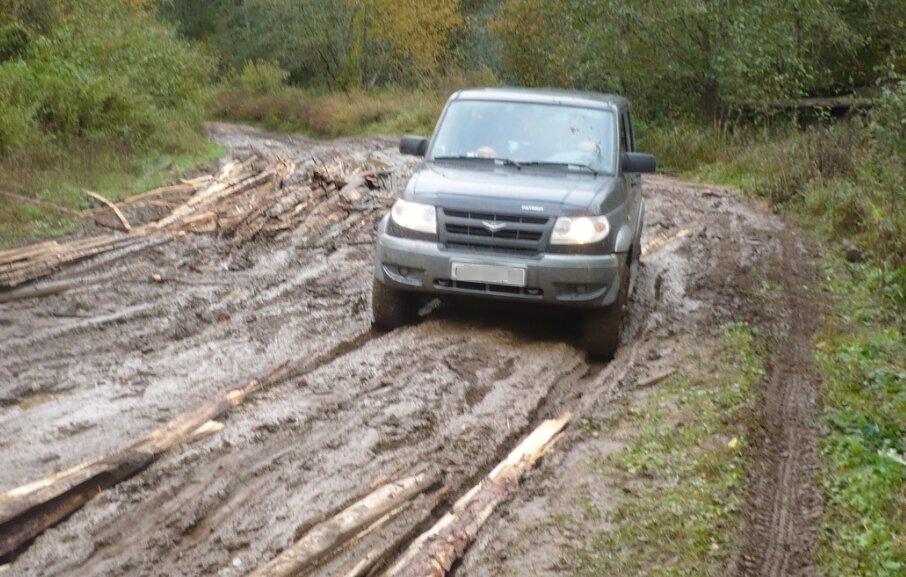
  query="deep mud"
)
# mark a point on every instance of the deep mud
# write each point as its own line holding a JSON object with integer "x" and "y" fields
{"x": 91, "y": 369}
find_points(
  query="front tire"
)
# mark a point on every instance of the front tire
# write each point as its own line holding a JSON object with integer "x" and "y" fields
{"x": 602, "y": 328}
{"x": 392, "y": 308}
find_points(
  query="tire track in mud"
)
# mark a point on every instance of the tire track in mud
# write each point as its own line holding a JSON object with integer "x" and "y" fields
{"x": 132, "y": 374}
{"x": 388, "y": 438}
{"x": 685, "y": 289}
{"x": 784, "y": 504}
{"x": 361, "y": 416}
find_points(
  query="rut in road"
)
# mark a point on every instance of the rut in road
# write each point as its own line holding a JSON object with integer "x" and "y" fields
{"x": 784, "y": 503}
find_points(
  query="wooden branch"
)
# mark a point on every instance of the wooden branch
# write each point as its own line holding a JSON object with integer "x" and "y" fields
{"x": 651, "y": 381}
{"x": 435, "y": 551}
{"x": 116, "y": 211}
{"x": 26, "y": 511}
{"x": 332, "y": 533}
{"x": 42, "y": 203}
{"x": 183, "y": 188}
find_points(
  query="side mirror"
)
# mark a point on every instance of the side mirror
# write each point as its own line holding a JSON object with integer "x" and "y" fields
{"x": 414, "y": 145}
{"x": 637, "y": 162}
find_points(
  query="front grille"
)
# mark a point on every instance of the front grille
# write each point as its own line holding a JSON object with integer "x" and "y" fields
{"x": 520, "y": 234}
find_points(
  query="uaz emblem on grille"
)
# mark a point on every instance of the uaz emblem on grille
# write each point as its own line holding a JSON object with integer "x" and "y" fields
{"x": 493, "y": 226}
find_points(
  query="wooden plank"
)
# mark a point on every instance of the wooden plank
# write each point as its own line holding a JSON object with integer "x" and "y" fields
{"x": 435, "y": 551}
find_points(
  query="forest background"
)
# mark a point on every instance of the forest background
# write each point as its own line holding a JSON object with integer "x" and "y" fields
{"x": 106, "y": 94}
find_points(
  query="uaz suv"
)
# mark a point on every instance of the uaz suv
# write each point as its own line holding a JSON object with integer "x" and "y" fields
{"x": 524, "y": 195}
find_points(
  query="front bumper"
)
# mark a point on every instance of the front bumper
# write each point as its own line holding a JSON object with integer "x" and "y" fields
{"x": 559, "y": 279}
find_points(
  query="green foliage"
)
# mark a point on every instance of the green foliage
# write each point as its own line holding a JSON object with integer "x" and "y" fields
{"x": 844, "y": 178}
{"x": 699, "y": 58}
{"x": 262, "y": 78}
{"x": 864, "y": 423}
{"x": 684, "y": 467}
{"x": 319, "y": 114}
{"x": 104, "y": 70}
{"x": 90, "y": 94}
{"x": 349, "y": 44}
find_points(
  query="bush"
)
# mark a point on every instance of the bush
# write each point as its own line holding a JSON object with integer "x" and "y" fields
{"x": 106, "y": 70}
{"x": 261, "y": 77}
{"x": 849, "y": 179}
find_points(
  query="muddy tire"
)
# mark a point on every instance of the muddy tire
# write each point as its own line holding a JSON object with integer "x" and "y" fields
{"x": 602, "y": 328}
{"x": 392, "y": 308}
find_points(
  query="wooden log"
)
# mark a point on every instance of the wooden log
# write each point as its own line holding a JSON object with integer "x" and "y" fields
{"x": 42, "y": 203}
{"x": 24, "y": 252}
{"x": 44, "y": 264}
{"x": 173, "y": 189}
{"x": 371, "y": 549}
{"x": 435, "y": 551}
{"x": 332, "y": 533}
{"x": 204, "y": 431}
{"x": 210, "y": 195}
{"x": 26, "y": 511}
{"x": 659, "y": 242}
{"x": 119, "y": 214}
{"x": 30, "y": 292}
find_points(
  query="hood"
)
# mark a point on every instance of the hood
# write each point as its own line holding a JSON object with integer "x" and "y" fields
{"x": 555, "y": 191}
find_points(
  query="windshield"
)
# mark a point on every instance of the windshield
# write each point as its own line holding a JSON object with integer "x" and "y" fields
{"x": 543, "y": 134}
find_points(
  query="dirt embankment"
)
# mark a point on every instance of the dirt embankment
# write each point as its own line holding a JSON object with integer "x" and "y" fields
{"x": 90, "y": 370}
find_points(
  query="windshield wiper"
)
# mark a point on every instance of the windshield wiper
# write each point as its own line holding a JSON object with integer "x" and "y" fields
{"x": 505, "y": 161}
{"x": 566, "y": 164}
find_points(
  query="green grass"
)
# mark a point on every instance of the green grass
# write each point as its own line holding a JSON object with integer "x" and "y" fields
{"x": 862, "y": 356}
{"x": 843, "y": 179}
{"x": 61, "y": 177}
{"x": 683, "y": 469}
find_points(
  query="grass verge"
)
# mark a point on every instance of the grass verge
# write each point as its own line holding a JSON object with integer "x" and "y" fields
{"x": 291, "y": 109}
{"x": 848, "y": 183}
{"x": 61, "y": 178}
{"x": 862, "y": 356}
{"x": 683, "y": 468}
{"x": 259, "y": 95}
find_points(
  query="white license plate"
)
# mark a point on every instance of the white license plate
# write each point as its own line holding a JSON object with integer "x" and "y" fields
{"x": 488, "y": 273}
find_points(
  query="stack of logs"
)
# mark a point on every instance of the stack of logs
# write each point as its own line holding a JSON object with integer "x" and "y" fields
{"x": 242, "y": 201}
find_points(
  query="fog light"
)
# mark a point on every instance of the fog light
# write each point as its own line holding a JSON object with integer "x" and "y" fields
{"x": 404, "y": 271}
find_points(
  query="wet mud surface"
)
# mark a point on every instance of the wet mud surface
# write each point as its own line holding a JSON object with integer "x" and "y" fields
{"x": 92, "y": 369}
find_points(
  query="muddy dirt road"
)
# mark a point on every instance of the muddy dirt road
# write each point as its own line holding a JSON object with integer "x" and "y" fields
{"x": 90, "y": 370}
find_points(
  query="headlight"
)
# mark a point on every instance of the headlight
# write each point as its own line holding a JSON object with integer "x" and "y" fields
{"x": 580, "y": 229}
{"x": 415, "y": 216}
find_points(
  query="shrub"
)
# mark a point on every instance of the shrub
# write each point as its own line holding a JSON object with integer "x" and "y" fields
{"x": 261, "y": 77}
{"x": 105, "y": 70}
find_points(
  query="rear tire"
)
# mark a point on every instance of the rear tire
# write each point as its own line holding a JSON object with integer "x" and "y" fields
{"x": 392, "y": 308}
{"x": 602, "y": 328}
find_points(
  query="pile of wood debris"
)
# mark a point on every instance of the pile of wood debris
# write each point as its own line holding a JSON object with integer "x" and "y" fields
{"x": 242, "y": 201}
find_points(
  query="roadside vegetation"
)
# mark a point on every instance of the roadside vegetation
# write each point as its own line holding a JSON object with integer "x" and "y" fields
{"x": 683, "y": 468}
{"x": 862, "y": 356}
{"x": 111, "y": 95}
{"x": 93, "y": 95}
